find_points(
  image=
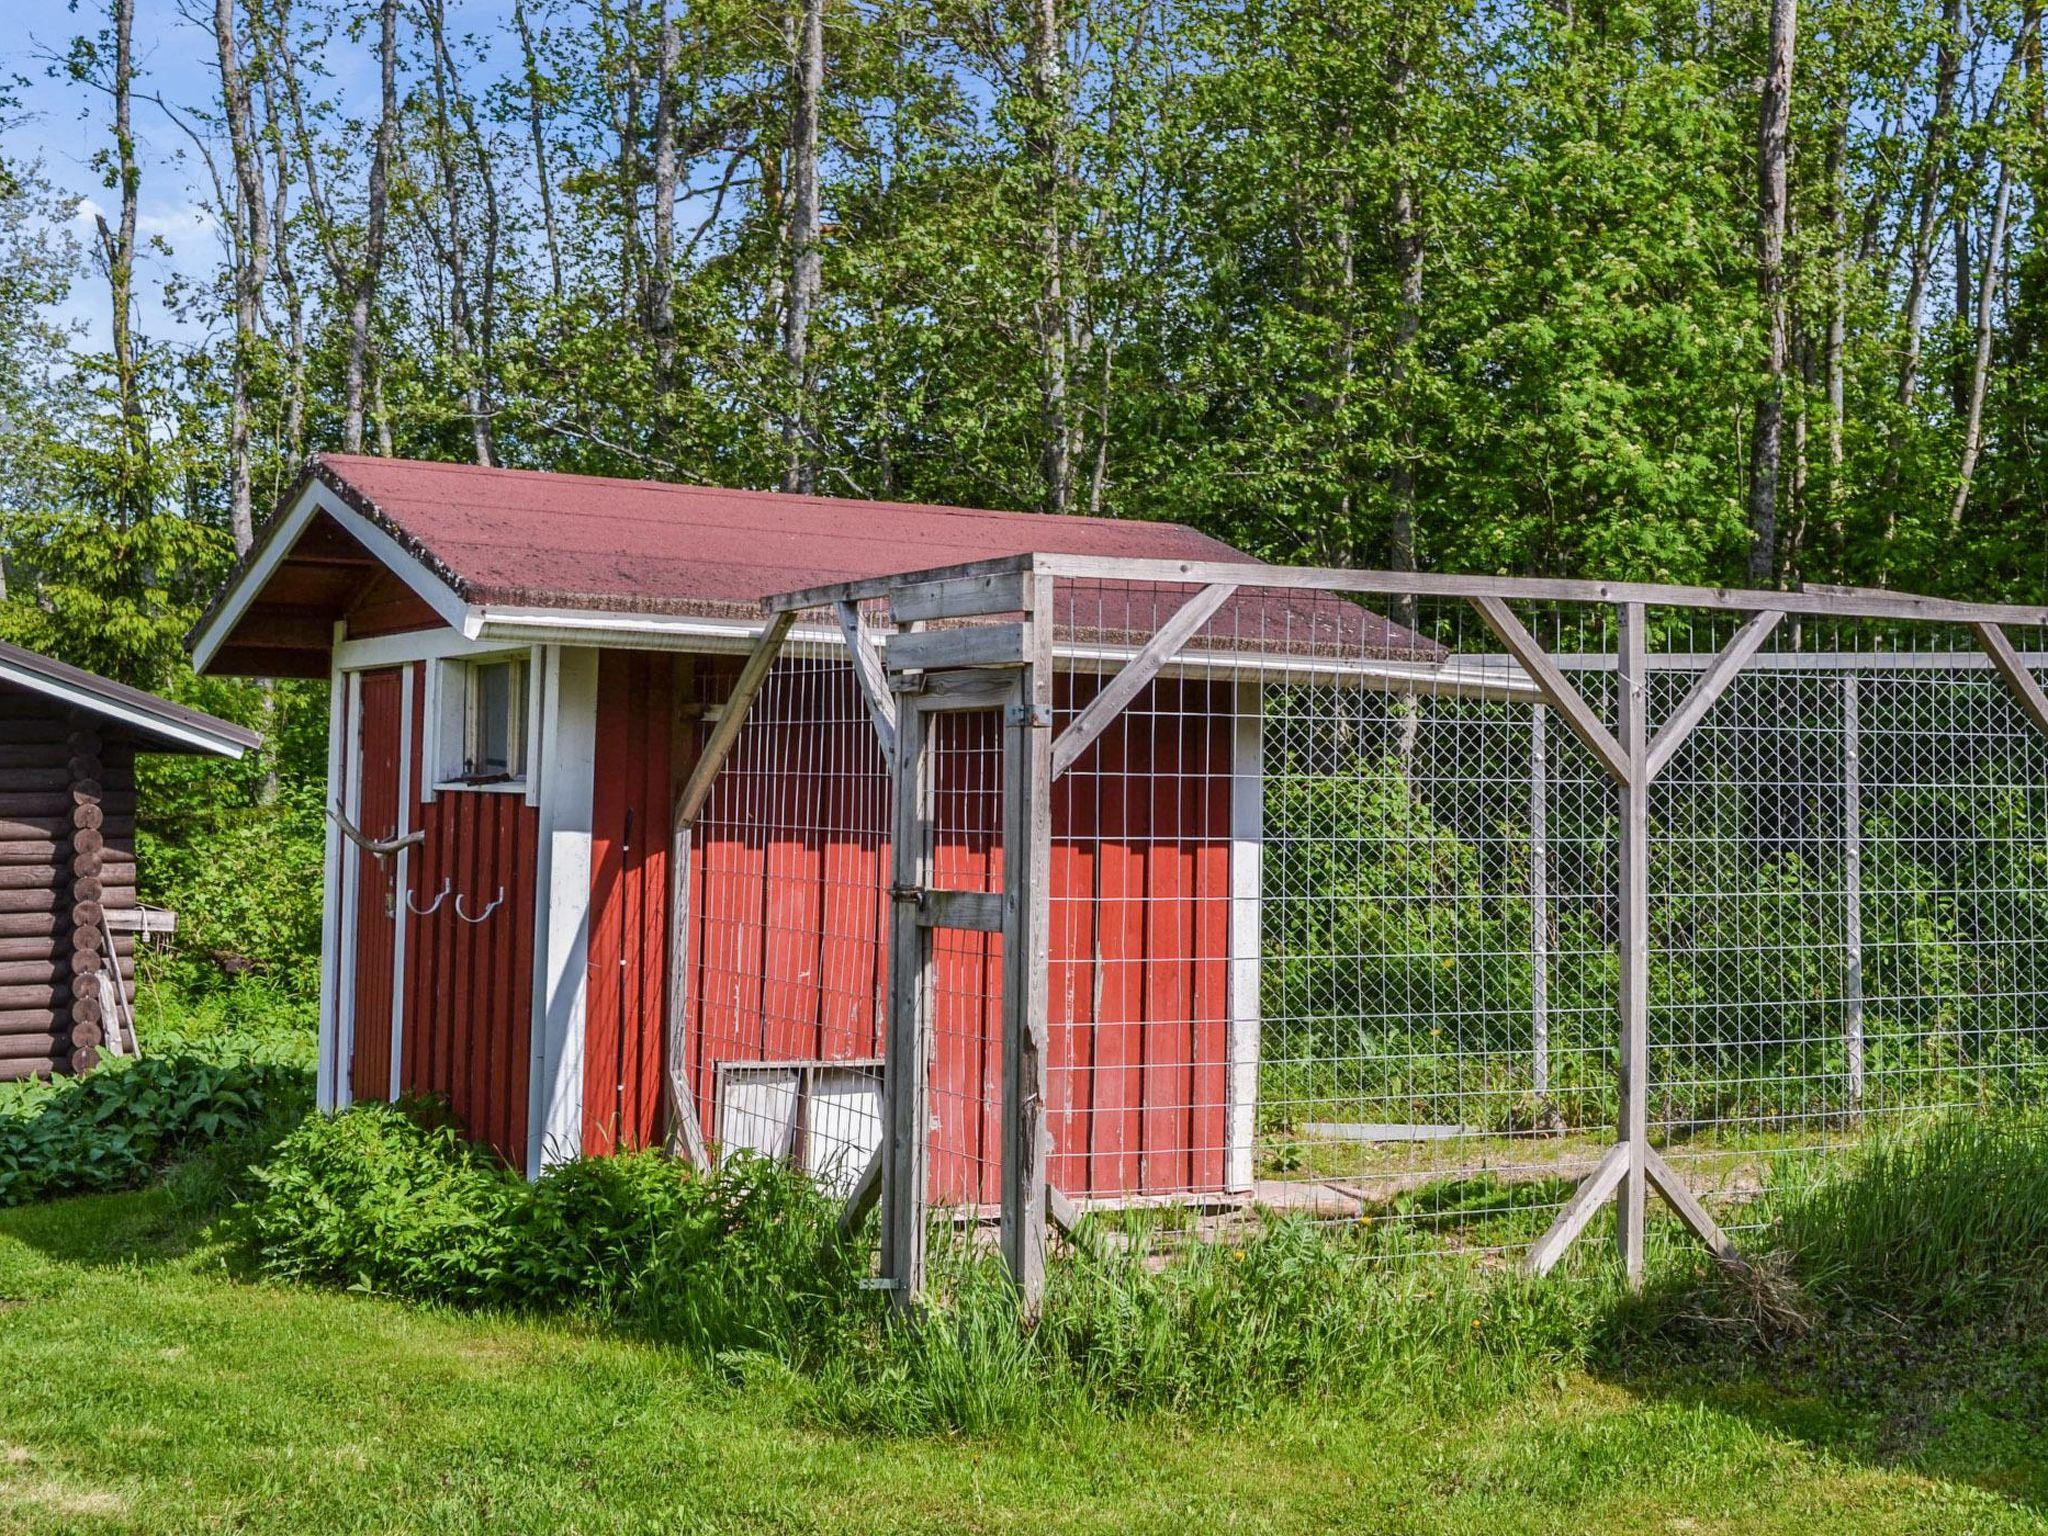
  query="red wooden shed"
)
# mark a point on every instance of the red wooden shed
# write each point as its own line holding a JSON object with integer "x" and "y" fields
{"x": 524, "y": 669}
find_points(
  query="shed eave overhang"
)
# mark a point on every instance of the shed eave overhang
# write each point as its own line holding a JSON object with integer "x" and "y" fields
{"x": 321, "y": 492}
{"x": 172, "y": 726}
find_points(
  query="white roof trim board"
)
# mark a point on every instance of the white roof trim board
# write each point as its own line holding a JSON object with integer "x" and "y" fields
{"x": 168, "y": 725}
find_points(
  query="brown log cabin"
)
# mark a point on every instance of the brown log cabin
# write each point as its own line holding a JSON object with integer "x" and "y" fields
{"x": 69, "y": 912}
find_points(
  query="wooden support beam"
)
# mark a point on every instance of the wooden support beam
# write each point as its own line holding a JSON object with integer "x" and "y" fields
{"x": 1556, "y": 689}
{"x": 1066, "y": 1217}
{"x": 972, "y": 645}
{"x": 1118, "y": 692}
{"x": 867, "y": 1191}
{"x": 1633, "y": 706}
{"x": 1591, "y": 1194}
{"x": 979, "y": 911}
{"x": 907, "y": 1046}
{"x": 1027, "y": 888}
{"x": 1690, "y": 1211}
{"x": 686, "y": 1131}
{"x": 960, "y": 691}
{"x": 1712, "y": 684}
{"x": 1539, "y": 905}
{"x": 1852, "y": 889}
{"x": 958, "y": 597}
{"x": 2006, "y": 662}
{"x": 1817, "y": 601}
{"x": 867, "y": 668}
{"x": 752, "y": 677}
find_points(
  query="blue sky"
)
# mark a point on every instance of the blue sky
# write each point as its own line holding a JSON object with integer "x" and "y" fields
{"x": 63, "y": 125}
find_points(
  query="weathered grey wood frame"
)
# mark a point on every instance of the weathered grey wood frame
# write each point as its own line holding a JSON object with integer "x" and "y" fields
{"x": 1632, "y": 757}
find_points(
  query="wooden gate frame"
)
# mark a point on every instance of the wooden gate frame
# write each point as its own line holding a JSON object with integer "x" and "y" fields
{"x": 973, "y": 661}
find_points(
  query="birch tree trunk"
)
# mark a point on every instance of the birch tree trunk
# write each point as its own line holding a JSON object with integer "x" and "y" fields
{"x": 1980, "y": 363}
{"x": 366, "y": 269}
{"x": 1773, "y": 150}
{"x": 1940, "y": 123}
{"x": 1408, "y": 251}
{"x": 278, "y": 139}
{"x": 662, "y": 318}
{"x": 1835, "y": 348}
{"x": 1045, "y": 75}
{"x": 467, "y": 328}
{"x": 799, "y": 470}
{"x": 530, "y": 61}
{"x": 117, "y": 249}
{"x": 249, "y": 254}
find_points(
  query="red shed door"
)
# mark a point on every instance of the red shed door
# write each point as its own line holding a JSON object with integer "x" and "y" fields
{"x": 377, "y": 774}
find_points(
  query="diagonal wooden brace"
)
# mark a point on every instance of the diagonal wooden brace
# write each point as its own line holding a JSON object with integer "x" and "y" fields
{"x": 1082, "y": 730}
{"x": 1711, "y": 685}
{"x": 874, "y": 680}
{"x": 1556, "y": 688}
{"x": 753, "y": 676}
{"x": 1592, "y": 1193}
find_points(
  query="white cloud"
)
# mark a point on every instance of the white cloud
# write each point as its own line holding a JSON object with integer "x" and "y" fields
{"x": 169, "y": 221}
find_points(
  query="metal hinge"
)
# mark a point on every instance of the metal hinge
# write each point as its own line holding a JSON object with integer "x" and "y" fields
{"x": 914, "y": 893}
{"x": 1037, "y": 716}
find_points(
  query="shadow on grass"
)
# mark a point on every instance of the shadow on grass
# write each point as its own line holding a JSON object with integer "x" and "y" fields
{"x": 141, "y": 1226}
{"x": 1966, "y": 1405}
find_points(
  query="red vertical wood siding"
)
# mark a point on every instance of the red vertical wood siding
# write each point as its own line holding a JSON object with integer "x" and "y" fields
{"x": 788, "y": 884}
{"x": 631, "y": 807}
{"x": 467, "y": 1034}
{"x": 378, "y": 731}
{"x": 787, "y": 928}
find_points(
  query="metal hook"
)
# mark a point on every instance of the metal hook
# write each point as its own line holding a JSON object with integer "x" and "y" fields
{"x": 419, "y": 911}
{"x": 496, "y": 902}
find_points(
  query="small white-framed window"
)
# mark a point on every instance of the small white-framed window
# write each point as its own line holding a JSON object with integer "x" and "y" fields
{"x": 494, "y": 721}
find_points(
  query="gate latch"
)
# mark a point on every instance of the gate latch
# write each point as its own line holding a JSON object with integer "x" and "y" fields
{"x": 1037, "y": 716}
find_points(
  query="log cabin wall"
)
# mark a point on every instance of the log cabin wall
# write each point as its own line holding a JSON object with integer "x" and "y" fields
{"x": 67, "y": 855}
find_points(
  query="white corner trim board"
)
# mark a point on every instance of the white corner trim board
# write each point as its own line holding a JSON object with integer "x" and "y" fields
{"x": 325, "y": 1095}
{"x": 562, "y": 890}
{"x": 1247, "y": 855}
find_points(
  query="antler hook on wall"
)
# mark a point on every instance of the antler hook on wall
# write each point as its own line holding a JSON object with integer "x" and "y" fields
{"x": 375, "y": 847}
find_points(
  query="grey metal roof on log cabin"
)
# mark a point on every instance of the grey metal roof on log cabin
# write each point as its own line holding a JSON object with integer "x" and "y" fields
{"x": 526, "y": 539}
{"x": 154, "y": 722}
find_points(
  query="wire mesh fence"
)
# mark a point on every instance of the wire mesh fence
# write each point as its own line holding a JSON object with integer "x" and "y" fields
{"x": 1336, "y": 919}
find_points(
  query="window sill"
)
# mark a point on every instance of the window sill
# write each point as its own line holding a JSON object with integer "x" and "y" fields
{"x": 493, "y": 787}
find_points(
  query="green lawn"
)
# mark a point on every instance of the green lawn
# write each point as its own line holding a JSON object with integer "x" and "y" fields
{"x": 146, "y": 1392}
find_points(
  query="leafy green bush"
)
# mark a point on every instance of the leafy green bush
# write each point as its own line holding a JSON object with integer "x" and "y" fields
{"x": 255, "y": 1019}
{"x": 745, "y": 1266}
{"x": 380, "y": 1200}
{"x": 246, "y": 883}
{"x": 115, "y": 1127}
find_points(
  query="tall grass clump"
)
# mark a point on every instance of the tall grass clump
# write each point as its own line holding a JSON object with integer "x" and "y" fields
{"x": 385, "y": 1200}
{"x": 1290, "y": 1312}
{"x": 1946, "y": 1220}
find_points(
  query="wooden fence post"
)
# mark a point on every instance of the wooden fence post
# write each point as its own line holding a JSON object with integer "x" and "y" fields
{"x": 1539, "y": 903}
{"x": 1027, "y": 885}
{"x": 1632, "y": 713}
{"x": 906, "y": 1070}
{"x": 1852, "y": 886}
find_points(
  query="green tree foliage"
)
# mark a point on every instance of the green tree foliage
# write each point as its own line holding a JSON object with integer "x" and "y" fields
{"x": 1468, "y": 284}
